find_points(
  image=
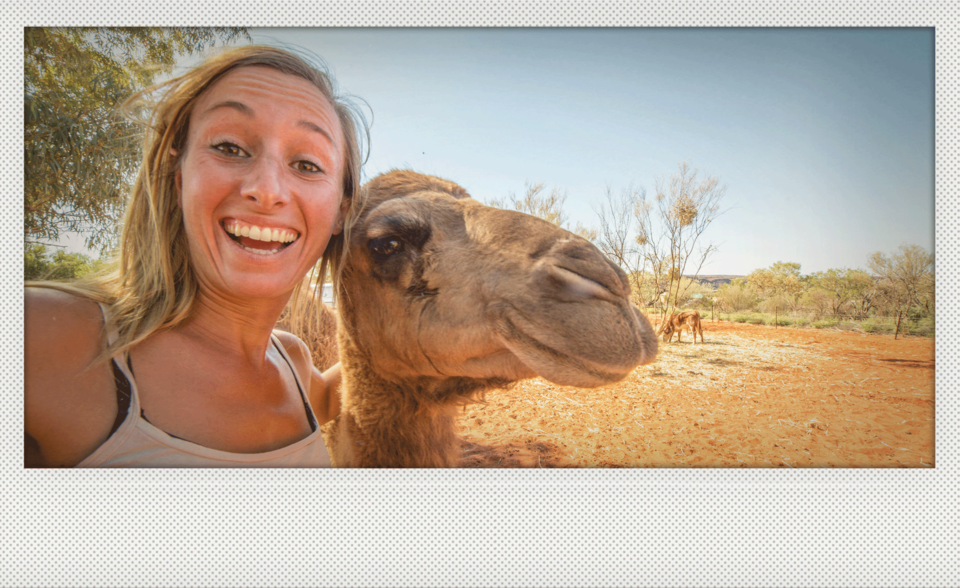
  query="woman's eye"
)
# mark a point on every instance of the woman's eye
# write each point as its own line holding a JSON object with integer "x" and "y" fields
{"x": 307, "y": 166}
{"x": 229, "y": 149}
{"x": 386, "y": 246}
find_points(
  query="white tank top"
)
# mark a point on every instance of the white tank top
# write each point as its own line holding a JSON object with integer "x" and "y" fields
{"x": 137, "y": 443}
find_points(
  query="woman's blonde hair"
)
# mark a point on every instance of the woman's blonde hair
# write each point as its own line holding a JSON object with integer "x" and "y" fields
{"x": 152, "y": 284}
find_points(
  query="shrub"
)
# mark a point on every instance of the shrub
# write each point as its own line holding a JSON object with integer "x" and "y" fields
{"x": 876, "y": 327}
{"x": 736, "y": 297}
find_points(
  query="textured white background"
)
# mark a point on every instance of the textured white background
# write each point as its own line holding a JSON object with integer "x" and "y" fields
{"x": 481, "y": 528}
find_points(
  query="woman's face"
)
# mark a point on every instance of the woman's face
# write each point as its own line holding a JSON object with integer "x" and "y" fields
{"x": 260, "y": 182}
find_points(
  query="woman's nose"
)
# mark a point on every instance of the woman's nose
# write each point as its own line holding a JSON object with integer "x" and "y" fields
{"x": 264, "y": 184}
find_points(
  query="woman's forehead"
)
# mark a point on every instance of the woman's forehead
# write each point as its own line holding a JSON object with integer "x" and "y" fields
{"x": 246, "y": 89}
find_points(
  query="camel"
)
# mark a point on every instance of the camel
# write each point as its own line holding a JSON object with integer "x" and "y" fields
{"x": 443, "y": 298}
{"x": 677, "y": 322}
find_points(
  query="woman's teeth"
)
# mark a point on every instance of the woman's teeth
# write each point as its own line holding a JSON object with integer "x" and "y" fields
{"x": 249, "y": 237}
{"x": 262, "y": 234}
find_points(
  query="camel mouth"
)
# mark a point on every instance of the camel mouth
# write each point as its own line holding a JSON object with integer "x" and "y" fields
{"x": 558, "y": 366}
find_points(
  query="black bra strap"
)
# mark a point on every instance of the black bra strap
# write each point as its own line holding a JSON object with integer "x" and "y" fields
{"x": 306, "y": 405}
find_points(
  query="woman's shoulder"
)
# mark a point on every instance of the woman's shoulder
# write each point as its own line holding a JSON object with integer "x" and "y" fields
{"x": 297, "y": 350}
{"x": 61, "y": 327}
{"x": 68, "y": 398}
{"x": 56, "y": 314}
{"x": 321, "y": 388}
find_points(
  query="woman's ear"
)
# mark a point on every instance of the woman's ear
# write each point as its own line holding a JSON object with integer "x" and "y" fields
{"x": 341, "y": 216}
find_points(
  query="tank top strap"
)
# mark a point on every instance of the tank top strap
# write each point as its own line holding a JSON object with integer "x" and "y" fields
{"x": 111, "y": 330}
{"x": 296, "y": 376}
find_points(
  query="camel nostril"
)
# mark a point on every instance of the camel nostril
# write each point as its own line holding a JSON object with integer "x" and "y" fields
{"x": 577, "y": 286}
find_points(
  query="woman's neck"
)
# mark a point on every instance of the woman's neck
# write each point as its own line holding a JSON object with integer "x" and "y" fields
{"x": 235, "y": 329}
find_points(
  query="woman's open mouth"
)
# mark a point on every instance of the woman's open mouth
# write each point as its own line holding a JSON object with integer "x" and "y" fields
{"x": 259, "y": 240}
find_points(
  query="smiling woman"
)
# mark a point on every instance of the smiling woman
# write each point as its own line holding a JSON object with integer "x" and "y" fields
{"x": 250, "y": 177}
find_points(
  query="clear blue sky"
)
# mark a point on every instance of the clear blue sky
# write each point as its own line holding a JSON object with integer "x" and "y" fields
{"x": 823, "y": 137}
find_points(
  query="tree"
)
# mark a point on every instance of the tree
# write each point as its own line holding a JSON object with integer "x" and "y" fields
{"x": 818, "y": 300}
{"x": 38, "y": 265}
{"x": 616, "y": 240}
{"x": 775, "y": 303}
{"x": 736, "y": 296}
{"x": 780, "y": 284}
{"x": 541, "y": 204}
{"x": 863, "y": 291}
{"x": 684, "y": 207}
{"x": 846, "y": 287}
{"x": 79, "y": 156}
{"x": 660, "y": 241}
{"x": 904, "y": 278}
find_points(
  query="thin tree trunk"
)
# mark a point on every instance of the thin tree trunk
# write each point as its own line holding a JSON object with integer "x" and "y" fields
{"x": 897, "y": 333}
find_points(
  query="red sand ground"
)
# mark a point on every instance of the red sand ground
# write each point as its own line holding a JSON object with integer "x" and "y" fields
{"x": 752, "y": 396}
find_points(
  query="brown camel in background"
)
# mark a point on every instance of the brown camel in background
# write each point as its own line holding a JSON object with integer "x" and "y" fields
{"x": 677, "y": 322}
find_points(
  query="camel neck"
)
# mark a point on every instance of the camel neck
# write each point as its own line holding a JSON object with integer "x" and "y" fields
{"x": 408, "y": 423}
{"x": 389, "y": 424}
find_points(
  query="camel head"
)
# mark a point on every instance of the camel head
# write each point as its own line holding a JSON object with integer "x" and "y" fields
{"x": 438, "y": 286}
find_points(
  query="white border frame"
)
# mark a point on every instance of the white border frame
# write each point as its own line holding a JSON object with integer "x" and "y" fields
{"x": 468, "y": 527}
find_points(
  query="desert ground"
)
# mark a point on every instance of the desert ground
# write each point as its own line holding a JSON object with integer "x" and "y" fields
{"x": 751, "y": 396}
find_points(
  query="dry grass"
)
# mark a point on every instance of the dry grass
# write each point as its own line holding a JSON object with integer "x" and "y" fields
{"x": 317, "y": 327}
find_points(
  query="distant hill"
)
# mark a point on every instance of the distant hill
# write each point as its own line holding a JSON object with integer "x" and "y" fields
{"x": 715, "y": 281}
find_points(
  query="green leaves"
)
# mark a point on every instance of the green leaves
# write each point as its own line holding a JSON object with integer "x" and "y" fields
{"x": 80, "y": 156}
{"x": 39, "y": 265}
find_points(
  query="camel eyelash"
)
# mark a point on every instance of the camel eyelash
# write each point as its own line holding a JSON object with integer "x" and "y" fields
{"x": 411, "y": 233}
{"x": 385, "y": 247}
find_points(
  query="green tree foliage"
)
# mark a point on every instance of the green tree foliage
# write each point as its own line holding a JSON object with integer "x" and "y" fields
{"x": 846, "y": 287}
{"x": 736, "y": 296}
{"x": 79, "y": 156}
{"x": 818, "y": 300}
{"x": 781, "y": 283}
{"x": 39, "y": 265}
{"x": 863, "y": 291}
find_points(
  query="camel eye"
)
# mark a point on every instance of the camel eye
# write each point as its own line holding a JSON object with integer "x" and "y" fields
{"x": 386, "y": 246}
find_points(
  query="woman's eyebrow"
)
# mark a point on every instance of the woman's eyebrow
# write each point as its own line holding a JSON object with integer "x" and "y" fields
{"x": 312, "y": 127}
{"x": 238, "y": 106}
{"x": 247, "y": 111}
